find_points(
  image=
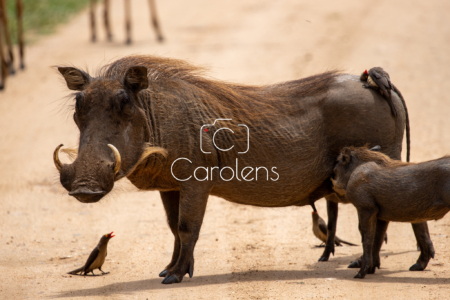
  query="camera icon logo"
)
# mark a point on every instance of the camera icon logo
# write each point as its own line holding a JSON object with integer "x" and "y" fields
{"x": 206, "y": 128}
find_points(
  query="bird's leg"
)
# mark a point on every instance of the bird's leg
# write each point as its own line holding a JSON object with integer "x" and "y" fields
{"x": 93, "y": 273}
{"x": 368, "y": 86}
{"x": 103, "y": 273}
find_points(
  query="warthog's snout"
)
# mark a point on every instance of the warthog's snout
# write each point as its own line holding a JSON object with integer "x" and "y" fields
{"x": 87, "y": 196}
{"x": 89, "y": 182}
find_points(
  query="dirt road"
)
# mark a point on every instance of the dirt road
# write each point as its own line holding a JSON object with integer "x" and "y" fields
{"x": 243, "y": 252}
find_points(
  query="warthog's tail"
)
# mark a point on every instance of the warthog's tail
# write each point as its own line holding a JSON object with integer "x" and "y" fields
{"x": 408, "y": 137}
{"x": 76, "y": 271}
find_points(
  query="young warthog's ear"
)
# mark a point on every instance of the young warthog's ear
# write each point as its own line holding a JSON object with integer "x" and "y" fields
{"x": 136, "y": 78}
{"x": 75, "y": 79}
{"x": 346, "y": 155}
{"x": 376, "y": 148}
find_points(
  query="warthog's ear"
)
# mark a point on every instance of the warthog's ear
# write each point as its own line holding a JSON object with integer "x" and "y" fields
{"x": 346, "y": 155}
{"x": 136, "y": 78}
{"x": 75, "y": 79}
{"x": 376, "y": 148}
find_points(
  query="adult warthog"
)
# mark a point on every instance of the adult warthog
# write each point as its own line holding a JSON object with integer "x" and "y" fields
{"x": 163, "y": 125}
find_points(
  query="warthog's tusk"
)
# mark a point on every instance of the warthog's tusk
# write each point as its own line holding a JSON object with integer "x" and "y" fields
{"x": 117, "y": 158}
{"x": 56, "y": 160}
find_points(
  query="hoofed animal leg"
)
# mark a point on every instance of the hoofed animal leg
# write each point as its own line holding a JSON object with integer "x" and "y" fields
{"x": 426, "y": 246}
{"x": 171, "y": 202}
{"x": 332, "y": 211}
{"x": 380, "y": 235}
{"x": 19, "y": 12}
{"x": 368, "y": 223}
{"x": 154, "y": 20}
{"x": 128, "y": 21}
{"x": 378, "y": 242}
{"x": 93, "y": 26}
{"x": 191, "y": 211}
{"x": 106, "y": 9}
{"x": 3, "y": 64}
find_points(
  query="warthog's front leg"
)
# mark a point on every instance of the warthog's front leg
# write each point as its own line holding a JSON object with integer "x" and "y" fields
{"x": 426, "y": 246}
{"x": 171, "y": 202}
{"x": 191, "y": 209}
{"x": 368, "y": 224}
{"x": 378, "y": 242}
{"x": 332, "y": 211}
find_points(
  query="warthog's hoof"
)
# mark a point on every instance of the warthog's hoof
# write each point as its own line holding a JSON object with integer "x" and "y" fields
{"x": 416, "y": 267}
{"x": 355, "y": 265}
{"x": 163, "y": 273}
{"x": 323, "y": 258}
{"x": 171, "y": 279}
{"x": 359, "y": 275}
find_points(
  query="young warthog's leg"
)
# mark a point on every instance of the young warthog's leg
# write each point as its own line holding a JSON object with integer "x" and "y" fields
{"x": 378, "y": 242}
{"x": 332, "y": 211}
{"x": 426, "y": 246}
{"x": 192, "y": 207}
{"x": 367, "y": 221}
{"x": 171, "y": 201}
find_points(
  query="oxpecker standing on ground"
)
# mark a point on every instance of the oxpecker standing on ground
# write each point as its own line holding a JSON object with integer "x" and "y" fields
{"x": 96, "y": 258}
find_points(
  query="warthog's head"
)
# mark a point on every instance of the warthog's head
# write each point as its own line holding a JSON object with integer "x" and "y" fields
{"x": 113, "y": 131}
{"x": 349, "y": 159}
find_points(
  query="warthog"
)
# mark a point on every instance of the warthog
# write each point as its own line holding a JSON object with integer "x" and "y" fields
{"x": 156, "y": 122}
{"x": 384, "y": 190}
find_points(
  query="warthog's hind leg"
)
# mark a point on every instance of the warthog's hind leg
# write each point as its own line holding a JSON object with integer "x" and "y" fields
{"x": 426, "y": 246}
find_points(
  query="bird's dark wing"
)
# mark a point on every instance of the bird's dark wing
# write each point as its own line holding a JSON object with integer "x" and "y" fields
{"x": 380, "y": 80}
{"x": 91, "y": 259}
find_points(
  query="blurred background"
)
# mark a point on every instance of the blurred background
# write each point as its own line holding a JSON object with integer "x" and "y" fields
{"x": 243, "y": 252}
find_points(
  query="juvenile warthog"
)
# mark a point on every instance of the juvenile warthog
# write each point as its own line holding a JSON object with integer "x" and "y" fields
{"x": 384, "y": 190}
{"x": 156, "y": 122}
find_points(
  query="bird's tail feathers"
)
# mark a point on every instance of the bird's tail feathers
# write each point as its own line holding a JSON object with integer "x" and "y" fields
{"x": 76, "y": 271}
{"x": 347, "y": 243}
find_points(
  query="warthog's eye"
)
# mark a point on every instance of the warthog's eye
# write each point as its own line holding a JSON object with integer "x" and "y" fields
{"x": 79, "y": 101}
{"x": 125, "y": 99}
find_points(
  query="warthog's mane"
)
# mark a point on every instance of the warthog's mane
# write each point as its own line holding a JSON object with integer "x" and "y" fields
{"x": 241, "y": 101}
{"x": 364, "y": 154}
{"x": 177, "y": 85}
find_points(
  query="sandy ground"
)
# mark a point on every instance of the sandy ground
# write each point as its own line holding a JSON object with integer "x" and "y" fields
{"x": 243, "y": 252}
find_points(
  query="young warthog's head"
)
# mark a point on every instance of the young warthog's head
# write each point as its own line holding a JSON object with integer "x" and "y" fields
{"x": 113, "y": 131}
{"x": 349, "y": 159}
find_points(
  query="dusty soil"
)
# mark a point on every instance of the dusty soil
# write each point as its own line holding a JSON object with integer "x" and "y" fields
{"x": 243, "y": 252}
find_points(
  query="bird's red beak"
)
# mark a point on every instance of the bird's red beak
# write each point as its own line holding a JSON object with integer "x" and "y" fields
{"x": 111, "y": 234}
{"x": 365, "y": 72}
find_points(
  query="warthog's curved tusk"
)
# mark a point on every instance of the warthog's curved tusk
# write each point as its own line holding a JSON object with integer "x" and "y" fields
{"x": 56, "y": 160}
{"x": 117, "y": 158}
